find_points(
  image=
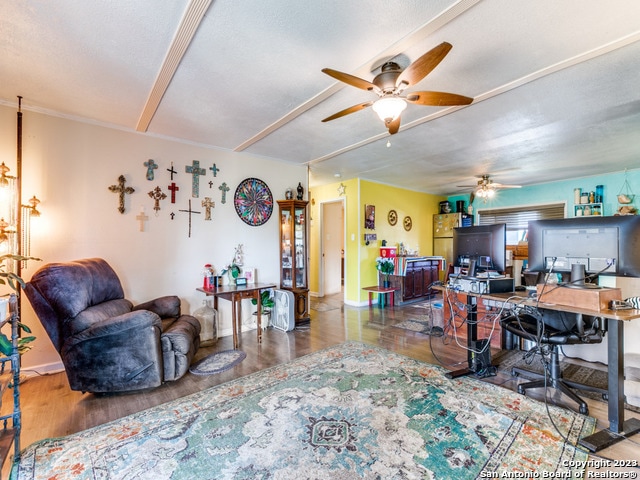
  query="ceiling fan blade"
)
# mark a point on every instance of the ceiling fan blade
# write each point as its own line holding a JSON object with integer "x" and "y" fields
{"x": 350, "y": 79}
{"x": 423, "y": 66}
{"x": 394, "y": 126}
{"x": 347, "y": 111}
{"x": 438, "y": 99}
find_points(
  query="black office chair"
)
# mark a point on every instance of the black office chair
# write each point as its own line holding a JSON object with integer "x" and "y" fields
{"x": 550, "y": 329}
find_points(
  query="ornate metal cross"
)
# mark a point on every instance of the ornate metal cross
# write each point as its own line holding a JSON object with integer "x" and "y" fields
{"x": 121, "y": 190}
{"x": 174, "y": 188}
{"x": 208, "y": 205}
{"x": 190, "y": 212}
{"x": 215, "y": 170}
{"x": 157, "y": 195}
{"x": 224, "y": 190}
{"x": 172, "y": 171}
{"x": 151, "y": 166}
{"x": 195, "y": 172}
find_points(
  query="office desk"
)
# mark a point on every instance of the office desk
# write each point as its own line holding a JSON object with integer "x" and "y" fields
{"x": 235, "y": 295}
{"x": 618, "y": 427}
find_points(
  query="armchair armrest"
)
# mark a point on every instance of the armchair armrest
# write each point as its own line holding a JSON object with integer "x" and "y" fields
{"x": 164, "y": 307}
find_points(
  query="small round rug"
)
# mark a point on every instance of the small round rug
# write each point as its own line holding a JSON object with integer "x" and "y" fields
{"x": 217, "y": 362}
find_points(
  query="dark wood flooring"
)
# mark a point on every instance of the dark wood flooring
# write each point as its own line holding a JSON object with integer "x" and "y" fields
{"x": 51, "y": 409}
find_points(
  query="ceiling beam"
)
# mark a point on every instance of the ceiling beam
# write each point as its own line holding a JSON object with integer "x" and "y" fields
{"x": 417, "y": 35}
{"x": 543, "y": 72}
{"x": 191, "y": 20}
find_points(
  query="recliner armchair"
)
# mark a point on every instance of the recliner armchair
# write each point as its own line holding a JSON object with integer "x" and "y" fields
{"x": 549, "y": 330}
{"x": 106, "y": 343}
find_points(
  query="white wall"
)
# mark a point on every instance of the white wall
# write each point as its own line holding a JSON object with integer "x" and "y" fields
{"x": 70, "y": 165}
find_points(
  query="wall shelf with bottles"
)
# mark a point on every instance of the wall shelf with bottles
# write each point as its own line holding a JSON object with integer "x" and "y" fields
{"x": 587, "y": 209}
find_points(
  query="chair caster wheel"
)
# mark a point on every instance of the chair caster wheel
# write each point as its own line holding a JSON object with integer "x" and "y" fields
{"x": 520, "y": 390}
{"x": 584, "y": 410}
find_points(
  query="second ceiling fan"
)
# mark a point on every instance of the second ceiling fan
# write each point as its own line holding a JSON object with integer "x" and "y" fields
{"x": 391, "y": 82}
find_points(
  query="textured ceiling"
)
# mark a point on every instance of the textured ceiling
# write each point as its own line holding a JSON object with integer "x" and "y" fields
{"x": 555, "y": 84}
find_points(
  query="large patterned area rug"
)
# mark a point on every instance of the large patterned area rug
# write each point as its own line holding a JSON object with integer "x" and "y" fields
{"x": 347, "y": 412}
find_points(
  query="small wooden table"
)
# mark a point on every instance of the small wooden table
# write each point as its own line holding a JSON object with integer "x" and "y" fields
{"x": 382, "y": 293}
{"x": 235, "y": 295}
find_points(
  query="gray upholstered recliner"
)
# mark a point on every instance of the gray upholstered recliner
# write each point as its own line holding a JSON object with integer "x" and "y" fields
{"x": 107, "y": 344}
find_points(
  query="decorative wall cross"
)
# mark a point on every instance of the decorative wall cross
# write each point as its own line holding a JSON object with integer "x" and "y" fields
{"x": 224, "y": 190}
{"x": 215, "y": 170}
{"x": 172, "y": 171}
{"x": 190, "y": 212}
{"x": 157, "y": 194}
{"x": 174, "y": 188}
{"x": 208, "y": 205}
{"x": 141, "y": 217}
{"x": 151, "y": 166}
{"x": 121, "y": 190}
{"x": 195, "y": 172}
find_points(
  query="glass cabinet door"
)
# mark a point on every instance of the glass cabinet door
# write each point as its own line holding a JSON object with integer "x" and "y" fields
{"x": 286, "y": 262}
{"x": 300, "y": 248}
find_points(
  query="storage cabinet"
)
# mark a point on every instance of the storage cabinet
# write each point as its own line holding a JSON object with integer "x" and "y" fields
{"x": 10, "y": 375}
{"x": 293, "y": 254}
{"x": 485, "y": 317}
{"x": 415, "y": 283}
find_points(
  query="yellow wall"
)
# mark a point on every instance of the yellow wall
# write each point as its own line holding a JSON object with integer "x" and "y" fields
{"x": 360, "y": 259}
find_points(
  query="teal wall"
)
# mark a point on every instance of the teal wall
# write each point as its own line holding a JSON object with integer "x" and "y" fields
{"x": 561, "y": 191}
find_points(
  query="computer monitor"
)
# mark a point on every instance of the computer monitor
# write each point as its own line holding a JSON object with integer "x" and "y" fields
{"x": 604, "y": 245}
{"x": 486, "y": 244}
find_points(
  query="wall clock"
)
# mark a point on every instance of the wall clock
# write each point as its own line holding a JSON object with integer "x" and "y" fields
{"x": 253, "y": 202}
{"x": 407, "y": 223}
{"x": 392, "y": 217}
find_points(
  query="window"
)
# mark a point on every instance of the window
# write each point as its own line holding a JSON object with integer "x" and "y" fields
{"x": 518, "y": 218}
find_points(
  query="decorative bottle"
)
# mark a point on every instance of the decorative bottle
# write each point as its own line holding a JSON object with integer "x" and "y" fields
{"x": 208, "y": 318}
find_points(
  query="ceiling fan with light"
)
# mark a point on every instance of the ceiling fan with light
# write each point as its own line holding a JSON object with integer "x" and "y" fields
{"x": 486, "y": 188}
{"x": 390, "y": 84}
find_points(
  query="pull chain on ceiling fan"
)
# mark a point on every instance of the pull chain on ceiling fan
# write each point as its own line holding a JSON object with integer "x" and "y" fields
{"x": 391, "y": 82}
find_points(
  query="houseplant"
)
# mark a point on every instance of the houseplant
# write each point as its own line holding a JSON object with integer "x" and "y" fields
{"x": 15, "y": 282}
{"x": 266, "y": 304}
{"x": 386, "y": 267}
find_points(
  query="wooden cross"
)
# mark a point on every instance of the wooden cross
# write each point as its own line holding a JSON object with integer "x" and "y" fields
{"x": 141, "y": 217}
{"x": 172, "y": 171}
{"x": 224, "y": 190}
{"x": 215, "y": 170}
{"x": 172, "y": 215}
{"x": 151, "y": 166}
{"x": 195, "y": 172}
{"x": 157, "y": 195}
{"x": 121, "y": 190}
{"x": 174, "y": 188}
{"x": 210, "y": 183}
{"x": 208, "y": 205}
{"x": 190, "y": 212}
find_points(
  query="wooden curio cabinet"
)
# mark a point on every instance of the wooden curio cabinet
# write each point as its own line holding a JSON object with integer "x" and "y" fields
{"x": 293, "y": 254}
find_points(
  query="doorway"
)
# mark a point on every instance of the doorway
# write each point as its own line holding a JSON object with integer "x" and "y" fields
{"x": 332, "y": 265}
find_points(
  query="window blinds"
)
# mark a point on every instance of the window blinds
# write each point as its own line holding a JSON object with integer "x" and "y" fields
{"x": 518, "y": 218}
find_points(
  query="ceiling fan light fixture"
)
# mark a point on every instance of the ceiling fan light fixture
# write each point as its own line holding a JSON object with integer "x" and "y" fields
{"x": 389, "y": 108}
{"x": 485, "y": 192}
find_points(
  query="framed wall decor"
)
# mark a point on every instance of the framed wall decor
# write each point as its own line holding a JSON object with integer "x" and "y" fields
{"x": 370, "y": 217}
{"x": 392, "y": 217}
{"x": 407, "y": 223}
{"x": 253, "y": 202}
